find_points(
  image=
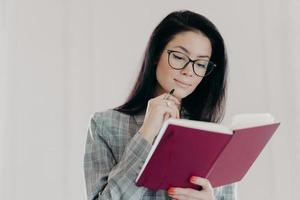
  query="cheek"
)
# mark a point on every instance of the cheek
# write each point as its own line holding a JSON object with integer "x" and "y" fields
{"x": 163, "y": 71}
{"x": 196, "y": 83}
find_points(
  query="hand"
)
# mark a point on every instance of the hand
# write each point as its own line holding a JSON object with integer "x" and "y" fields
{"x": 158, "y": 110}
{"x": 191, "y": 194}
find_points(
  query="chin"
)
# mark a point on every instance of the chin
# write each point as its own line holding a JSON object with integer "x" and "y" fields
{"x": 179, "y": 93}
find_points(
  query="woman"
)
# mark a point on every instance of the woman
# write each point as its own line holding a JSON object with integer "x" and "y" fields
{"x": 185, "y": 53}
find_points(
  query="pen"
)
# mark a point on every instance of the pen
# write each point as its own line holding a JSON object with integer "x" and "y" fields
{"x": 167, "y": 97}
{"x": 170, "y": 93}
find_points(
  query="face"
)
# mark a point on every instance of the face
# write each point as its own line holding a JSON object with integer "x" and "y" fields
{"x": 193, "y": 44}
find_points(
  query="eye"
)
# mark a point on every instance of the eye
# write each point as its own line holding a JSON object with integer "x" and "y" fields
{"x": 178, "y": 57}
{"x": 201, "y": 65}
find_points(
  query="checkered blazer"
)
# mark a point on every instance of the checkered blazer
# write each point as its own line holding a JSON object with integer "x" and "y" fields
{"x": 114, "y": 154}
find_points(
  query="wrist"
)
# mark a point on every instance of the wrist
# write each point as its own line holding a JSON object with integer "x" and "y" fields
{"x": 146, "y": 134}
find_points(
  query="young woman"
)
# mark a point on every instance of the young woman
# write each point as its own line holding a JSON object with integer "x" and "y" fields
{"x": 186, "y": 54}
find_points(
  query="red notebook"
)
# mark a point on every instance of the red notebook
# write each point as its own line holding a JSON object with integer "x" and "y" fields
{"x": 222, "y": 154}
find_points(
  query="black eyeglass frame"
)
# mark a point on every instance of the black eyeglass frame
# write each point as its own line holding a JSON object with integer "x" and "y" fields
{"x": 213, "y": 65}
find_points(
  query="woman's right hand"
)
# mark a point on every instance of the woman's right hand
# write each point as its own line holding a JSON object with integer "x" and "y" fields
{"x": 156, "y": 113}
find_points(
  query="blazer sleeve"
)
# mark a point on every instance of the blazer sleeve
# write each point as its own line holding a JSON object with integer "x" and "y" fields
{"x": 104, "y": 177}
{"x": 227, "y": 192}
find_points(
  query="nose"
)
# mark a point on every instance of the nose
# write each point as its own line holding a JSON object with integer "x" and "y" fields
{"x": 188, "y": 69}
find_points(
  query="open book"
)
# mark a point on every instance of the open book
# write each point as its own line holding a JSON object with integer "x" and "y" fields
{"x": 222, "y": 154}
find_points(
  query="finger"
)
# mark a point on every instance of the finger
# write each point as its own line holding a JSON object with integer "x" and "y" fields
{"x": 181, "y": 197}
{"x": 171, "y": 97}
{"x": 202, "y": 182}
{"x": 175, "y": 110}
{"x": 185, "y": 193}
{"x": 166, "y": 111}
{"x": 178, "y": 197}
{"x": 162, "y": 99}
{"x": 166, "y": 116}
{"x": 176, "y": 100}
{"x": 169, "y": 112}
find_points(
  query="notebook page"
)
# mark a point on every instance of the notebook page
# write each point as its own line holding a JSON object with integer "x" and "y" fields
{"x": 246, "y": 120}
{"x": 208, "y": 126}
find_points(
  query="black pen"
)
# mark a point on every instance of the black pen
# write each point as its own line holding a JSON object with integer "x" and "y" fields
{"x": 170, "y": 93}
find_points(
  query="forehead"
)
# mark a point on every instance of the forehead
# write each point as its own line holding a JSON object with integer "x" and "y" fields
{"x": 195, "y": 42}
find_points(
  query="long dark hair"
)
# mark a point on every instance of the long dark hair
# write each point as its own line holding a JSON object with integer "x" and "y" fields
{"x": 207, "y": 101}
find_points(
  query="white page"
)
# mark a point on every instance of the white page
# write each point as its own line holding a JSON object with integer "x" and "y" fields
{"x": 245, "y": 120}
{"x": 209, "y": 126}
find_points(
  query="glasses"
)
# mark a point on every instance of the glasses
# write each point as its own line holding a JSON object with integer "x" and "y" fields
{"x": 178, "y": 60}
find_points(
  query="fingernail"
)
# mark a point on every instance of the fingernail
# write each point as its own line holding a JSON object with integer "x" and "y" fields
{"x": 171, "y": 190}
{"x": 193, "y": 179}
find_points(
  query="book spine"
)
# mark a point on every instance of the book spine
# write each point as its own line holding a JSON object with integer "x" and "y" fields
{"x": 213, "y": 164}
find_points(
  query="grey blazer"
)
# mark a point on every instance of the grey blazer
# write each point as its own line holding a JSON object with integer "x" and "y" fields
{"x": 114, "y": 154}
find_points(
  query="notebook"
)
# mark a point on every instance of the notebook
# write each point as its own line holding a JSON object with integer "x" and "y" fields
{"x": 221, "y": 153}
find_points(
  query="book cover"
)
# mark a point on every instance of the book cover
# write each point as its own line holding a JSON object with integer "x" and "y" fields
{"x": 184, "y": 148}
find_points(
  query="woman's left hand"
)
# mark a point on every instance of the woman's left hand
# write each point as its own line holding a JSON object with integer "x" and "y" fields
{"x": 191, "y": 194}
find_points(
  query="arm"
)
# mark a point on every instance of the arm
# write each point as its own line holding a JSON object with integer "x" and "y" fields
{"x": 106, "y": 179}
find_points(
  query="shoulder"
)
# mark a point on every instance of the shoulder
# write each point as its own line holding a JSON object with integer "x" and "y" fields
{"x": 107, "y": 123}
{"x": 108, "y": 116}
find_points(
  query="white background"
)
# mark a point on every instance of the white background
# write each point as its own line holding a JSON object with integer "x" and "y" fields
{"x": 62, "y": 60}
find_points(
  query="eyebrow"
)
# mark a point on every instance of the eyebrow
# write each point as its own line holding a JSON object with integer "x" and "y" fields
{"x": 184, "y": 49}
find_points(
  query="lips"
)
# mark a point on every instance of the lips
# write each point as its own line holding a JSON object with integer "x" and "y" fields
{"x": 182, "y": 82}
